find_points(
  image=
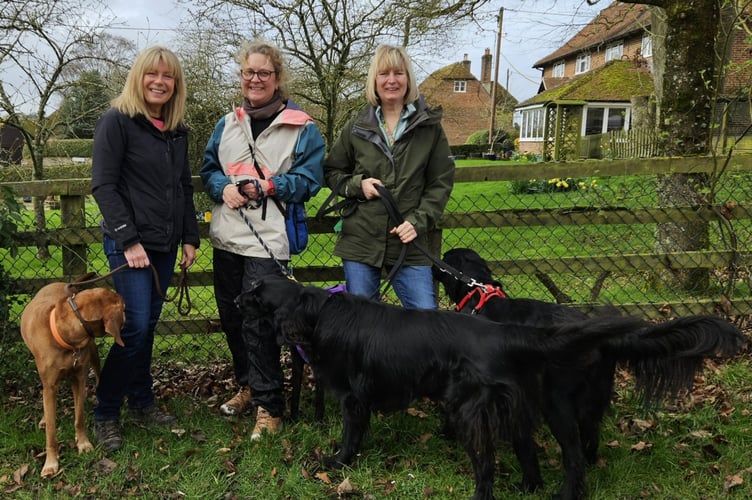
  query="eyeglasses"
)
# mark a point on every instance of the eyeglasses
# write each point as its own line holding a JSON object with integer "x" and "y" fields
{"x": 263, "y": 75}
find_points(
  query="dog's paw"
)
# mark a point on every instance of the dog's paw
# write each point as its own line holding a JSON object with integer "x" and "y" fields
{"x": 84, "y": 445}
{"x": 50, "y": 468}
{"x": 333, "y": 463}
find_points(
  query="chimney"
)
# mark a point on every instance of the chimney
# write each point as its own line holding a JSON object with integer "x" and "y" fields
{"x": 485, "y": 67}
{"x": 466, "y": 63}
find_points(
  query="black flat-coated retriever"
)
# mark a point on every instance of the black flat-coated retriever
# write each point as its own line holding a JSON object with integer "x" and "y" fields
{"x": 574, "y": 398}
{"x": 378, "y": 357}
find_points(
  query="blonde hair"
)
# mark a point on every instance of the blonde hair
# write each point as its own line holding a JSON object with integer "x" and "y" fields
{"x": 131, "y": 100}
{"x": 275, "y": 57}
{"x": 388, "y": 57}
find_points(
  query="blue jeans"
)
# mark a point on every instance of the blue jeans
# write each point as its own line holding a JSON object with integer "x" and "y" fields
{"x": 127, "y": 370}
{"x": 412, "y": 284}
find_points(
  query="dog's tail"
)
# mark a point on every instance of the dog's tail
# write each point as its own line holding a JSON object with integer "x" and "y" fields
{"x": 665, "y": 357}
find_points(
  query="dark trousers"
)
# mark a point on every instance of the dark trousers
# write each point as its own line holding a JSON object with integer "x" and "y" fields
{"x": 127, "y": 370}
{"x": 253, "y": 343}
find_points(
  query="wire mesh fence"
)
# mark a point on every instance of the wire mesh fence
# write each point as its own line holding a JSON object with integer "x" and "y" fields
{"x": 555, "y": 233}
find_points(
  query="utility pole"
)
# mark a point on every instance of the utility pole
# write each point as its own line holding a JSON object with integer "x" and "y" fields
{"x": 494, "y": 83}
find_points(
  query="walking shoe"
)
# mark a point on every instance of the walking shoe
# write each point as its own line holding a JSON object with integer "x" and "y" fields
{"x": 151, "y": 415}
{"x": 238, "y": 404}
{"x": 265, "y": 423}
{"x": 108, "y": 434}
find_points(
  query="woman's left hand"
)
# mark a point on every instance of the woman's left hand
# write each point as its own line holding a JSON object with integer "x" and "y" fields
{"x": 405, "y": 231}
{"x": 188, "y": 257}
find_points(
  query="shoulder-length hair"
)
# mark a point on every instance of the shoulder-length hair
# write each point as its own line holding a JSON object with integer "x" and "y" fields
{"x": 275, "y": 57}
{"x": 131, "y": 100}
{"x": 388, "y": 57}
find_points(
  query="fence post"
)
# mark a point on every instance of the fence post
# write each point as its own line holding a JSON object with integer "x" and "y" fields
{"x": 73, "y": 217}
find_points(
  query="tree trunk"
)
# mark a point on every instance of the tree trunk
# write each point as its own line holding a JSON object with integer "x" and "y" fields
{"x": 685, "y": 84}
{"x": 40, "y": 218}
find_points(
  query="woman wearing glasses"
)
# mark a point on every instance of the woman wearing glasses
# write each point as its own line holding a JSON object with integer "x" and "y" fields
{"x": 267, "y": 148}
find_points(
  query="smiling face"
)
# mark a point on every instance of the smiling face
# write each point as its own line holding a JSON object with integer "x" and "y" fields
{"x": 258, "y": 90}
{"x": 391, "y": 86}
{"x": 159, "y": 87}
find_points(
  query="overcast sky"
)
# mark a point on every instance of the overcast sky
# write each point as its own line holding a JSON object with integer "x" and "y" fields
{"x": 531, "y": 29}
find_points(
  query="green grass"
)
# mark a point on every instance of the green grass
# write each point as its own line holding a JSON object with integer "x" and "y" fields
{"x": 689, "y": 451}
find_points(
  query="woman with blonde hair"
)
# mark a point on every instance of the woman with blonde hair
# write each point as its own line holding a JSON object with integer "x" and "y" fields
{"x": 141, "y": 181}
{"x": 396, "y": 141}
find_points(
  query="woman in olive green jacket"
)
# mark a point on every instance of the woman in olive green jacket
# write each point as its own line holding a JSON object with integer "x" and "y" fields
{"x": 397, "y": 142}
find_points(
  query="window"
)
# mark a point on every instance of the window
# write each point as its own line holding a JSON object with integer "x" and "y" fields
{"x": 602, "y": 119}
{"x": 647, "y": 45}
{"x": 583, "y": 64}
{"x": 532, "y": 124}
{"x": 460, "y": 85}
{"x": 615, "y": 51}
{"x": 558, "y": 71}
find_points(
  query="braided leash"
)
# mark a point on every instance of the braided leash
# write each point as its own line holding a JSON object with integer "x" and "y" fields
{"x": 248, "y": 222}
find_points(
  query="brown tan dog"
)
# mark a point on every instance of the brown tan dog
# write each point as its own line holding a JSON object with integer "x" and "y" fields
{"x": 59, "y": 327}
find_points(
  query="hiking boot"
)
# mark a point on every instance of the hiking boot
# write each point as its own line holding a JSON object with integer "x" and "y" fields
{"x": 151, "y": 415}
{"x": 108, "y": 434}
{"x": 238, "y": 404}
{"x": 265, "y": 423}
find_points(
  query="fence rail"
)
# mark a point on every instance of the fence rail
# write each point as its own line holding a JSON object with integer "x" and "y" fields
{"x": 507, "y": 235}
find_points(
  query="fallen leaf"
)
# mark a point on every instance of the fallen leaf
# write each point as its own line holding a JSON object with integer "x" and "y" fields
{"x": 20, "y": 473}
{"x": 345, "y": 487}
{"x": 732, "y": 482}
{"x": 641, "y": 446}
{"x": 106, "y": 465}
{"x": 323, "y": 477}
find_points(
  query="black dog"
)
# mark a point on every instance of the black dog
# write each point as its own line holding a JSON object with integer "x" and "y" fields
{"x": 378, "y": 357}
{"x": 573, "y": 399}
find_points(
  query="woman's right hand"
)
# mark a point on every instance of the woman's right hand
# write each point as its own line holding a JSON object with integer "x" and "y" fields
{"x": 136, "y": 256}
{"x": 232, "y": 198}
{"x": 367, "y": 186}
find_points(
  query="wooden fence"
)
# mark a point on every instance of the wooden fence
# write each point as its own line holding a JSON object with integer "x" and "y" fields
{"x": 75, "y": 235}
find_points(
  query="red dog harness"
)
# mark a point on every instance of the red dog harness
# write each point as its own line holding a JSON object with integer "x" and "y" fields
{"x": 484, "y": 293}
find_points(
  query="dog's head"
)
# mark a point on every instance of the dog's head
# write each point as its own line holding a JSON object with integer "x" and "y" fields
{"x": 104, "y": 309}
{"x": 291, "y": 307}
{"x": 469, "y": 263}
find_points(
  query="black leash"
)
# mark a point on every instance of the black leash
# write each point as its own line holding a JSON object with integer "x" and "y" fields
{"x": 391, "y": 207}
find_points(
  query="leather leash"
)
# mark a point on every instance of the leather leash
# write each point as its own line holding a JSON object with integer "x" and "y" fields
{"x": 181, "y": 294}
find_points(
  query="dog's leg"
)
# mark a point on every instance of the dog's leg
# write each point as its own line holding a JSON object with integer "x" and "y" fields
{"x": 356, "y": 417}
{"x": 49, "y": 401}
{"x": 562, "y": 419}
{"x": 297, "y": 381}
{"x": 479, "y": 446}
{"x": 526, "y": 452}
{"x": 319, "y": 395}
{"x": 78, "y": 387}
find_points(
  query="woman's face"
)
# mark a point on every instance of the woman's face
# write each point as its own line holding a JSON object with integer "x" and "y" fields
{"x": 159, "y": 87}
{"x": 391, "y": 86}
{"x": 258, "y": 79}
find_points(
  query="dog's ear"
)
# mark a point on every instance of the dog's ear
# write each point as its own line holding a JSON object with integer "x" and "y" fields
{"x": 113, "y": 315}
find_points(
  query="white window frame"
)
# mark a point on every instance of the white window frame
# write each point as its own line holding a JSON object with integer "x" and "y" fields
{"x": 583, "y": 64}
{"x": 558, "y": 70}
{"x": 646, "y": 50}
{"x": 615, "y": 51}
{"x": 460, "y": 86}
{"x": 607, "y": 106}
{"x": 532, "y": 124}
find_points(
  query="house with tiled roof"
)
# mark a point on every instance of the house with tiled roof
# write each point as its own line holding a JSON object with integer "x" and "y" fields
{"x": 591, "y": 85}
{"x": 600, "y": 82}
{"x": 466, "y": 100}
